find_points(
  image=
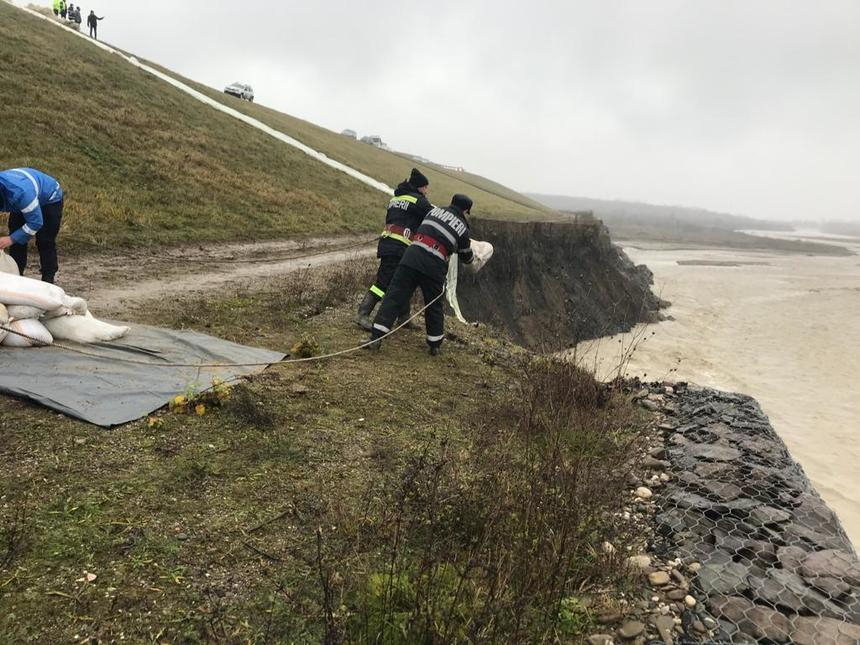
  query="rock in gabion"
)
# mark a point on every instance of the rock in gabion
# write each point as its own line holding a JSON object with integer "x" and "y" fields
{"x": 767, "y": 559}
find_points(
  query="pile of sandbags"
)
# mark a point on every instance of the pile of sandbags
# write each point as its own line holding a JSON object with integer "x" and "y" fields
{"x": 34, "y": 313}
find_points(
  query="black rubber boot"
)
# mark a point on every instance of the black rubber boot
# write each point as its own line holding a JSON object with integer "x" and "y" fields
{"x": 362, "y": 318}
{"x": 435, "y": 350}
{"x": 373, "y": 344}
{"x": 404, "y": 316}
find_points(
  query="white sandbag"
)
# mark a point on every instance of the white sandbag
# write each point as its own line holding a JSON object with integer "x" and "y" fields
{"x": 84, "y": 329}
{"x": 24, "y": 312}
{"x": 482, "y": 251}
{"x": 7, "y": 264}
{"x": 4, "y": 321}
{"x": 18, "y": 290}
{"x": 77, "y": 306}
{"x": 71, "y": 307}
{"x": 31, "y": 329}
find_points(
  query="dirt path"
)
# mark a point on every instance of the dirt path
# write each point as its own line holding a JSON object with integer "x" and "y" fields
{"x": 115, "y": 282}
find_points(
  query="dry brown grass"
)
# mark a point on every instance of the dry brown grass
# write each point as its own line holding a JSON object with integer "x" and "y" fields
{"x": 461, "y": 495}
{"x": 492, "y": 534}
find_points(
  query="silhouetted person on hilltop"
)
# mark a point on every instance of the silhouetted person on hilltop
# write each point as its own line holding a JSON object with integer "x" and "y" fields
{"x": 93, "y": 24}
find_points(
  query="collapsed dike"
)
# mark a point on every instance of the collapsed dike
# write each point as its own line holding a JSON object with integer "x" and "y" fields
{"x": 736, "y": 528}
{"x": 553, "y": 284}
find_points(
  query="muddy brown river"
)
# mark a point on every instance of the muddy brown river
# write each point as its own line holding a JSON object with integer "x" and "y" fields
{"x": 784, "y": 329}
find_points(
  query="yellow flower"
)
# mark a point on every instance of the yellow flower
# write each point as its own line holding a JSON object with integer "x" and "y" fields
{"x": 200, "y": 409}
{"x": 180, "y": 399}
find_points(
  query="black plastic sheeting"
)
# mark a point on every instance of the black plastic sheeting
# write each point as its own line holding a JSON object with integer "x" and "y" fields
{"x": 106, "y": 391}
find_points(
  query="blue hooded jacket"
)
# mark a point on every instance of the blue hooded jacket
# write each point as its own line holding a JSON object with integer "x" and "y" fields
{"x": 25, "y": 191}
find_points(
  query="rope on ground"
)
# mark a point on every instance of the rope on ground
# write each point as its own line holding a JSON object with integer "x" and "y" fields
{"x": 283, "y": 361}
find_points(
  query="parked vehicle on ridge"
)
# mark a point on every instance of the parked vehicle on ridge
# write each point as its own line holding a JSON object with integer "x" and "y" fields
{"x": 240, "y": 90}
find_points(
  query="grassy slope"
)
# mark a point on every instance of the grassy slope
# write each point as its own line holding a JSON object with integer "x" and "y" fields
{"x": 204, "y": 529}
{"x": 491, "y": 198}
{"x": 143, "y": 163}
{"x": 498, "y": 189}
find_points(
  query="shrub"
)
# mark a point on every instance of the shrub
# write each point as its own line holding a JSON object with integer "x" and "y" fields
{"x": 493, "y": 539}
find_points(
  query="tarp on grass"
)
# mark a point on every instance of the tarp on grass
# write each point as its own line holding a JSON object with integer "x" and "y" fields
{"x": 108, "y": 392}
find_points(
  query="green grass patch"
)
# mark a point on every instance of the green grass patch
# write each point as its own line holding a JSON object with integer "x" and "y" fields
{"x": 364, "y": 498}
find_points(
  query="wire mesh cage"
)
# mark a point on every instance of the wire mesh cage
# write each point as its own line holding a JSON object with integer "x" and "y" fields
{"x": 766, "y": 559}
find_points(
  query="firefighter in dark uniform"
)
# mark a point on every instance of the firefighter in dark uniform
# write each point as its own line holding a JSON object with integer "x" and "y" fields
{"x": 406, "y": 210}
{"x": 444, "y": 232}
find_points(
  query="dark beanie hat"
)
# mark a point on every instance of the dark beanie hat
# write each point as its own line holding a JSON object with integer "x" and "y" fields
{"x": 462, "y": 202}
{"x": 417, "y": 179}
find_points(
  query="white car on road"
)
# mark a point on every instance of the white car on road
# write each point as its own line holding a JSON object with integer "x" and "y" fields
{"x": 240, "y": 90}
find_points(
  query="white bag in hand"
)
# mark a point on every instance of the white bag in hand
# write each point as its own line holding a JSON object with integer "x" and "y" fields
{"x": 84, "y": 329}
{"x": 30, "y": 328}
{"x": 482, "y": 251}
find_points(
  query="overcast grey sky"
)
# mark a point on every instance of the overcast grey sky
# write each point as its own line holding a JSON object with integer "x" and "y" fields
{"x": 749, "y": 106}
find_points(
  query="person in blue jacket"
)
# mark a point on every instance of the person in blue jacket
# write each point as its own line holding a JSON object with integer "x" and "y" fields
{"x": 34, "y": 201}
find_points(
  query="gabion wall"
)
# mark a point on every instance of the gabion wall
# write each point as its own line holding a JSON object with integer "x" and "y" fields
{"x": 772, "y": 563}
